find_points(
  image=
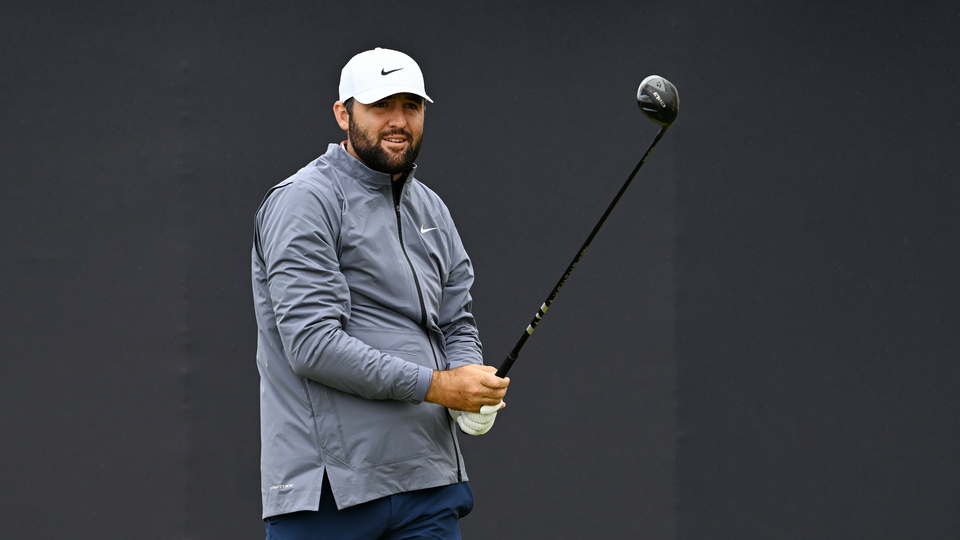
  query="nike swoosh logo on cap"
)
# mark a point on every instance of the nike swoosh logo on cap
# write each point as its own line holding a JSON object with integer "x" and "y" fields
{"x": 422, "y": 230}
{"x": 385, "y": 72}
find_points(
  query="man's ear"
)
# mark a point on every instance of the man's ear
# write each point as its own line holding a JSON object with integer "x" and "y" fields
{"x": 343, "y": 117}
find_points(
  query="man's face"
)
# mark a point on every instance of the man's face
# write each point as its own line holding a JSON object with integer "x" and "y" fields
{"x": 386, "y": 135}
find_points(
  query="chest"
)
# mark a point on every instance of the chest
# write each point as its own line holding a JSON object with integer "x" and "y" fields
{"x": 394, "y": 256}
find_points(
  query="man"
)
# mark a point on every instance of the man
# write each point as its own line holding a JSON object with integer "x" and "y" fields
{"x": 367, "y": 350}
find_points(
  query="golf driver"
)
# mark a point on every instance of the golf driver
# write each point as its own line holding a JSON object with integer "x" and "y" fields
{"x": 659, "y": 101}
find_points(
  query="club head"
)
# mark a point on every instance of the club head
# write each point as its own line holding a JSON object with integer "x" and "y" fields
{"x": 659, "y": 100}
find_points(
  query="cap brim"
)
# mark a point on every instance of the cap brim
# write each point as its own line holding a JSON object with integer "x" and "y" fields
{"x": 376, "y": 94}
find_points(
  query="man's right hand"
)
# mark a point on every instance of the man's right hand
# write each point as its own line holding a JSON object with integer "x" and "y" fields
{"x": 467, "y": 388}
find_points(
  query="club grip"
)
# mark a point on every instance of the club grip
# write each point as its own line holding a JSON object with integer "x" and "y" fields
{"x": 505, "y": 366}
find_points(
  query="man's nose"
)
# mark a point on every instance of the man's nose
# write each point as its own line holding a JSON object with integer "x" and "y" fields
{"x": 397, "y": 118}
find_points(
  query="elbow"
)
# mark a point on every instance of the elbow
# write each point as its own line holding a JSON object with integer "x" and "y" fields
{"x": 308, "y": 349}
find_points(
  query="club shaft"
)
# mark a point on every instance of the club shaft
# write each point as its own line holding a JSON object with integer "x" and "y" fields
{"x": 512, "y": 356}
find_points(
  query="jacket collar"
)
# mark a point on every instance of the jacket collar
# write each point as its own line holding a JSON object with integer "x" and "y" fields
{"x": 355, "y": 168}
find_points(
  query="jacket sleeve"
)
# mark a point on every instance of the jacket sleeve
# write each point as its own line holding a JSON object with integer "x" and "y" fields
{"x": 461, "y": 338}
{"x": 297, "y": 239}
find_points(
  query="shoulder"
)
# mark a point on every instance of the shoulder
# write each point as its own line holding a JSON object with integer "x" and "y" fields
{"x": 430, "y": 198}
{"x": 308, "y": 204}
{"x": 318, "y": 184}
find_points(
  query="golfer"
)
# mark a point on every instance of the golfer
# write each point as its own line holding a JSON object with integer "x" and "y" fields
{"x": 368, "y": 352}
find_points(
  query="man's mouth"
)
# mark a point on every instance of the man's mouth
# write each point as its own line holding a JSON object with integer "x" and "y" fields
{"x": 395, "y": 138}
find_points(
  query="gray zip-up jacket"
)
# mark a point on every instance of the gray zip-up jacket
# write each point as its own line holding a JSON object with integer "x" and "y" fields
{"x": 357, "y": 301}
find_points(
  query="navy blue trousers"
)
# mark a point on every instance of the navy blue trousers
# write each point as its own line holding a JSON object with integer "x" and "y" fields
{"x": 427, "y": 513}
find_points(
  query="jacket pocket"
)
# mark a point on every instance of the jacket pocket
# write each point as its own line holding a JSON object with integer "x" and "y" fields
{"x": 362, "y": 433}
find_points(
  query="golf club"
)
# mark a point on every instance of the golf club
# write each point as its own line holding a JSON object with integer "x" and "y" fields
{"x": 659, "y": 101}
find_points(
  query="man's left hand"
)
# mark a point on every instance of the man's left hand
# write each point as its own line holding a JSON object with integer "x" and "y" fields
{"x": 476, "y": 423}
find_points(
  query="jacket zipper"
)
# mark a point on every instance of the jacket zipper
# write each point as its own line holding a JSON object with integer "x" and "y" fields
{"x": 423, "y": 318}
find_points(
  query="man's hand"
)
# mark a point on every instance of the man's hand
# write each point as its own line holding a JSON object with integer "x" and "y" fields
{"x": 476, "y": 423}
{"x": 467, "y": 388}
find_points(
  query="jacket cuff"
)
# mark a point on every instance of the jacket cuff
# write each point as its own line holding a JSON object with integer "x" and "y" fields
{"x": 424, "y": 378}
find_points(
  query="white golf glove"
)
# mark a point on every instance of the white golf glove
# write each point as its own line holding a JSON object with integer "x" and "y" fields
{"x": 476, "y": 423}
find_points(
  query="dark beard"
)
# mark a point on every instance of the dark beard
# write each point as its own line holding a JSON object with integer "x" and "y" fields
{"x": 375, "y": 157}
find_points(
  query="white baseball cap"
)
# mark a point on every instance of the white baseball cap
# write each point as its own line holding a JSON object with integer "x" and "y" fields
{"x": 373, "y": 75}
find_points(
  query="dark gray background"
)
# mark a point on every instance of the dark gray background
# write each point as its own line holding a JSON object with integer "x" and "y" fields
{"x": 762, "y": 342}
